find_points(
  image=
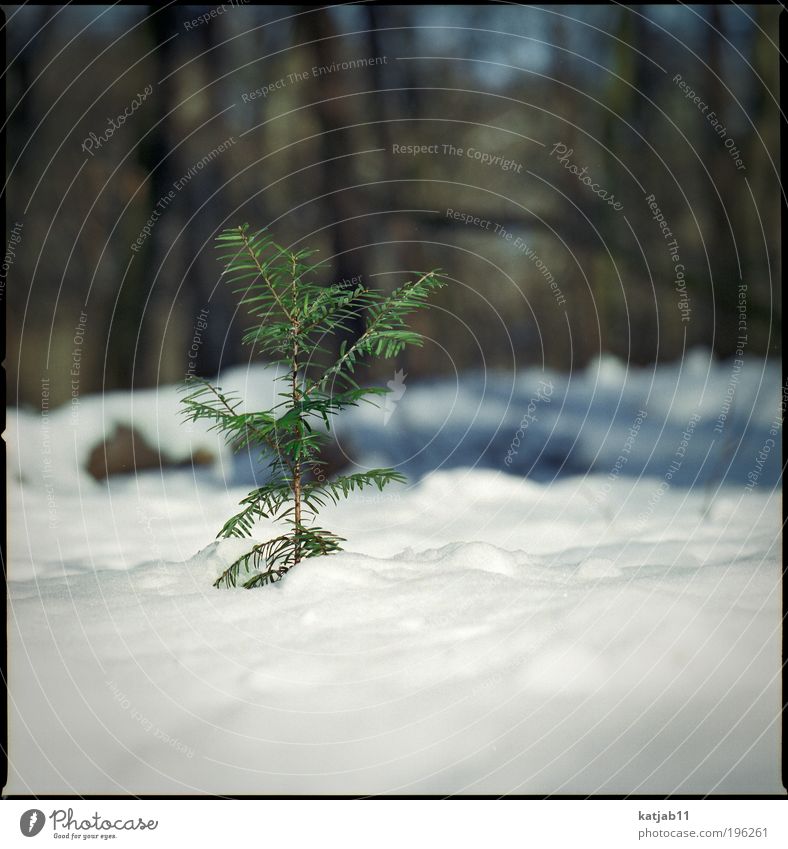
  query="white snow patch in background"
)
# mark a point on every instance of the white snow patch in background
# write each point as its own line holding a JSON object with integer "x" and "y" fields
{"x": 482, "y": 633}
{"x": 155, "y": 414}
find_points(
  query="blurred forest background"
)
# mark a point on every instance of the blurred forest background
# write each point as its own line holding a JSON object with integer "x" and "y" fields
{"x": 243, "y": 125}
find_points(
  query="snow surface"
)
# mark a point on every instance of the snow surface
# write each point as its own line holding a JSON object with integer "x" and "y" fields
{"x": 484, "y": 632}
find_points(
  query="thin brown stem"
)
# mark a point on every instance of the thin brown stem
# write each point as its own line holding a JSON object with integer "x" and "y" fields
{"x": 264, "y": 276}
{"x": 297, "y": 463}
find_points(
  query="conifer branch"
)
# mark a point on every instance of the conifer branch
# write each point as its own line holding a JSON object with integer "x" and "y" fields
{"x": 387, "y": 319}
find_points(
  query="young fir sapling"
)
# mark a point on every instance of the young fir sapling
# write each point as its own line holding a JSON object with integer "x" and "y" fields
{"x": 294, "y": 318}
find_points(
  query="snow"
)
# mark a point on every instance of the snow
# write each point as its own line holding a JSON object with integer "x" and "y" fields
{"x": 73, "y": 430}
{"x": 483, "y": 632}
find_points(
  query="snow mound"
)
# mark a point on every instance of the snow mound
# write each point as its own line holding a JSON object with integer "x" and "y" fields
{"x": 598, "y": 567}
{"x": 463, "y": 644}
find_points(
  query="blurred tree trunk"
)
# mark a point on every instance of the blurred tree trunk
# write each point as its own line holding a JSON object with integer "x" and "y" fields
{"x": 25, "y": 64}
{"x": 204, "y": 194}
{"x": 135, "y": 333}
{"x": 722, "y": 226}
{"x": 762, "y": 160}
{"x": 341, "y": 204}
{"x": 406, "y": 251}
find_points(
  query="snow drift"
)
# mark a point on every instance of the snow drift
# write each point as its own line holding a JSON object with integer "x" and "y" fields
{"x": 484, "y": 632}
